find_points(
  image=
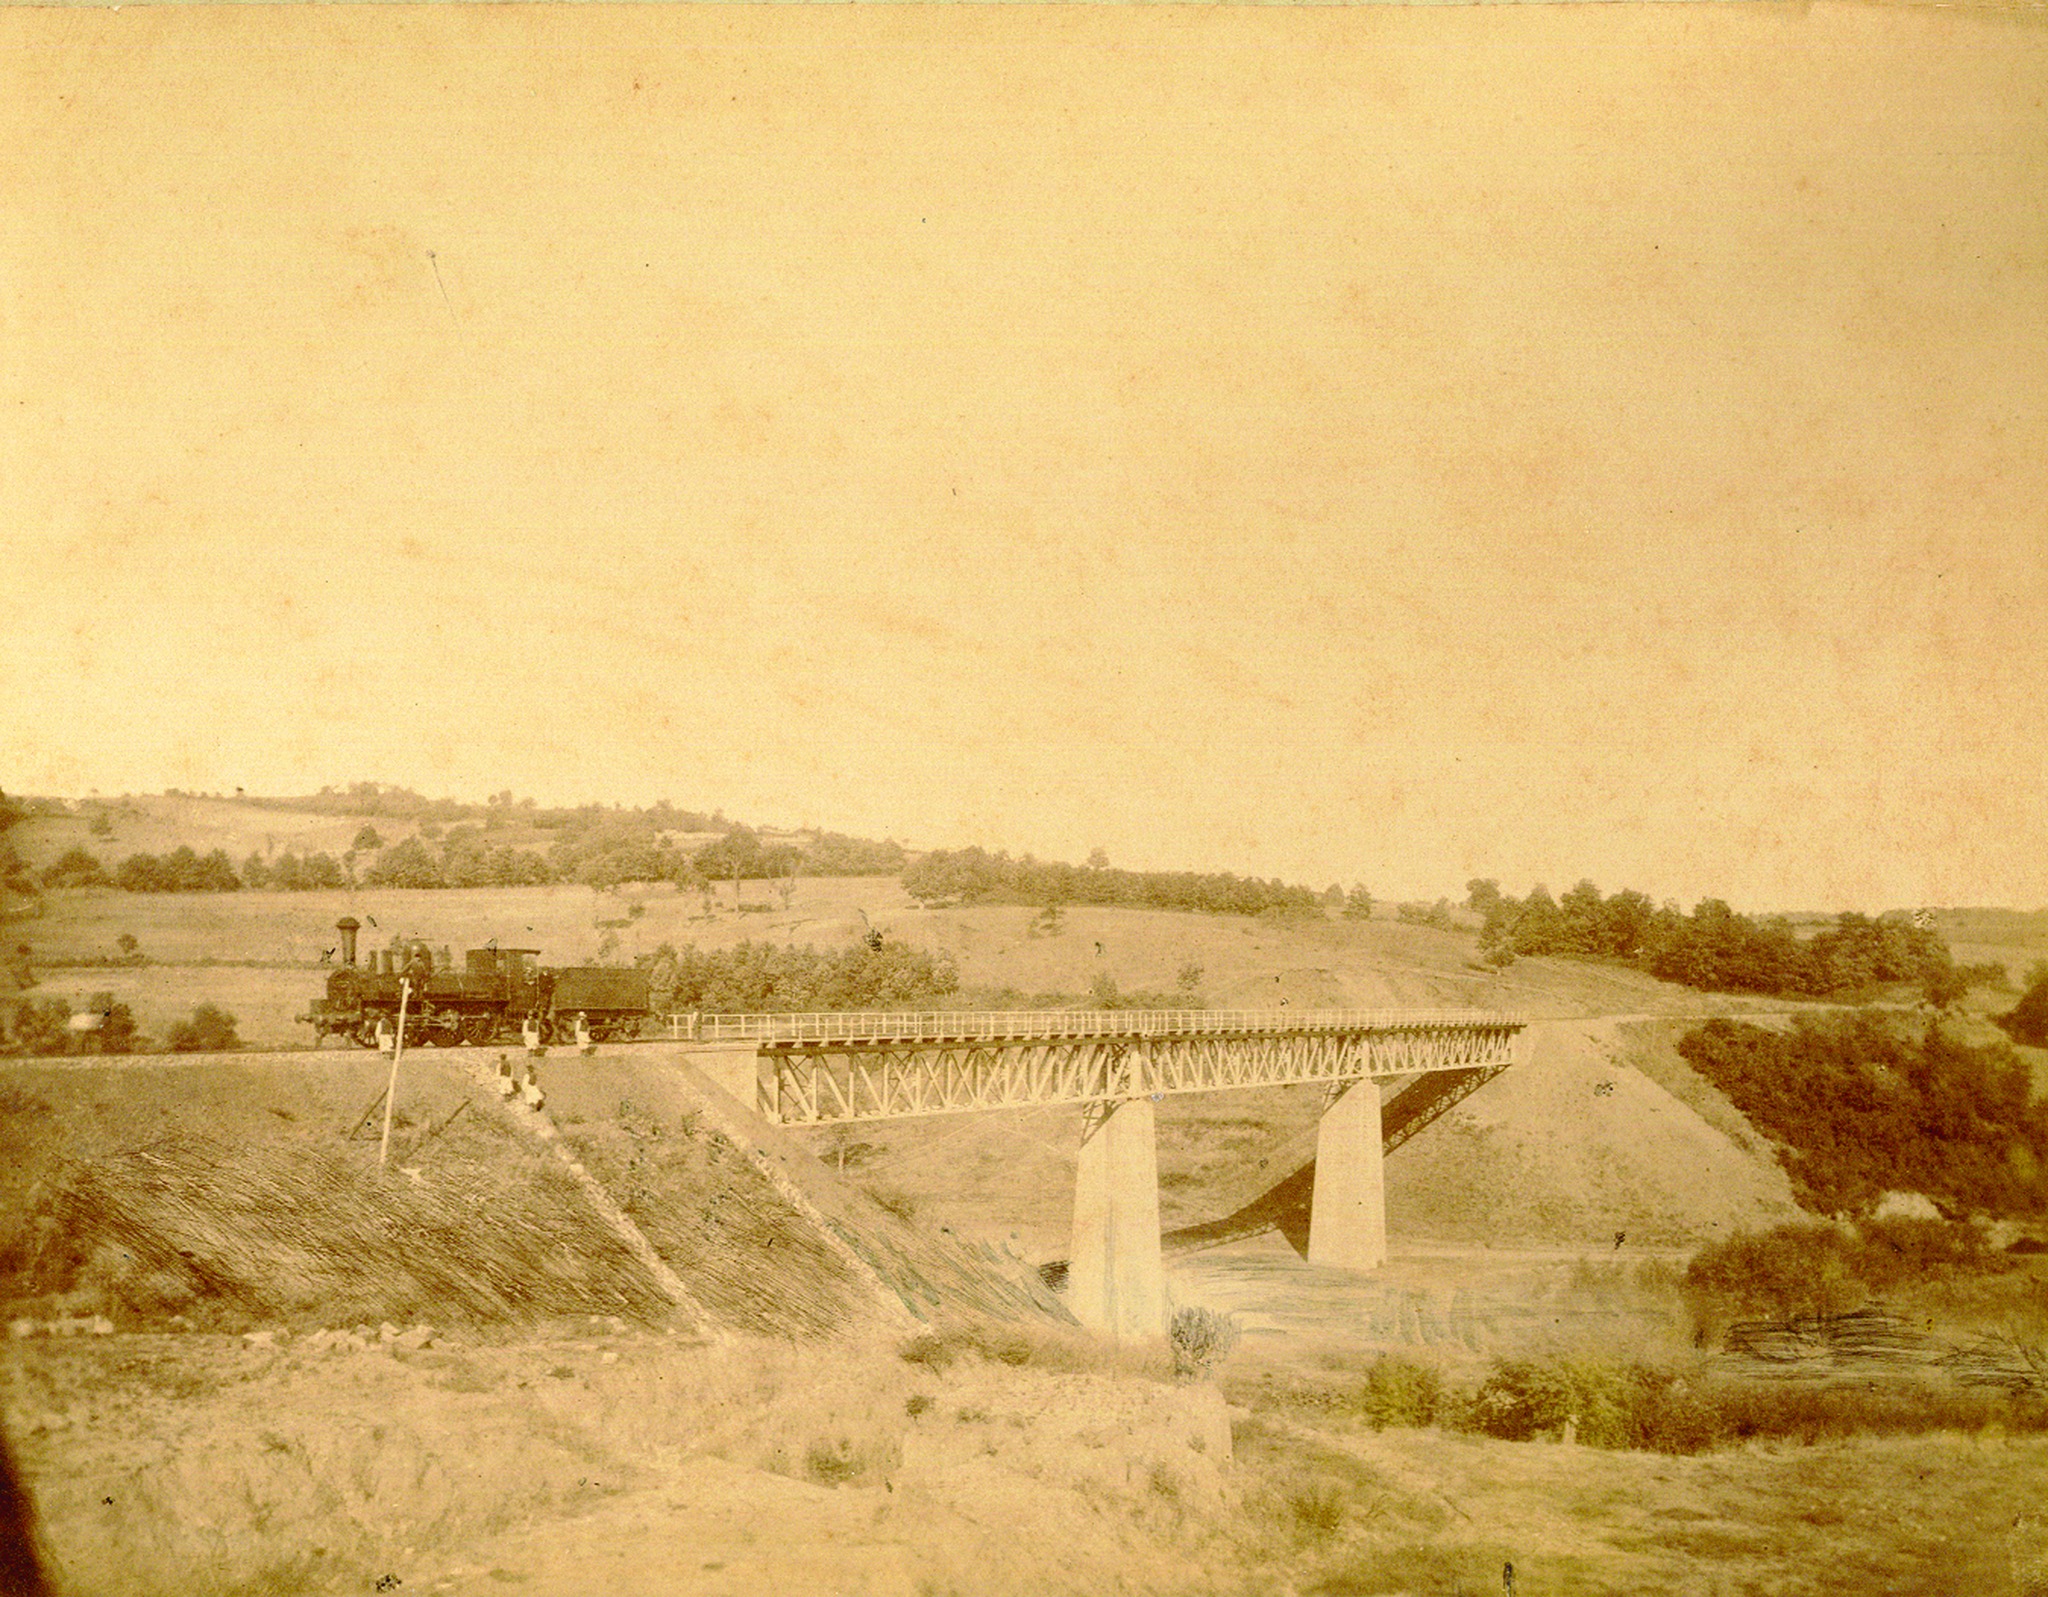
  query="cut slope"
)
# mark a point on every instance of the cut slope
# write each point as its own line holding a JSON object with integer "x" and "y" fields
{"x": 229, "y": 1190}
{"x": 767, "y": 1237}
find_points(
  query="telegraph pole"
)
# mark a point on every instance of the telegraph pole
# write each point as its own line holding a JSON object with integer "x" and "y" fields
{"x": 391, "y": 1092}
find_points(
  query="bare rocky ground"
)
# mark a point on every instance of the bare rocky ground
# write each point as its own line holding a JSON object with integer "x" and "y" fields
{"x": 607, "y": 1462}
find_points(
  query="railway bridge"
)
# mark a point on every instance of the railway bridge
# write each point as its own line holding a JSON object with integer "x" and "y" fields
{"x": 1385, "y": 1075}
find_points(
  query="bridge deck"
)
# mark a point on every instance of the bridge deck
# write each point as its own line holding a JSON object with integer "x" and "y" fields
{"x": 887, "y": 1027}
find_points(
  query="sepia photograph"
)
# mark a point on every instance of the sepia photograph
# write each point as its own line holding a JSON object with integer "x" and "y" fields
{"x": 986, "y": 800}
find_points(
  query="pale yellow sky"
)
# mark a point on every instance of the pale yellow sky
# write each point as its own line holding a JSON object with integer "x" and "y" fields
{"x": 1385, "y": 444}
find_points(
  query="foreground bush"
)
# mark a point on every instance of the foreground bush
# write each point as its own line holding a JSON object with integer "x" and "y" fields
{"x": 1659, "y": 1410}
{"x": 1653, "y": 1408}
{"x": 1200, "y": 1338}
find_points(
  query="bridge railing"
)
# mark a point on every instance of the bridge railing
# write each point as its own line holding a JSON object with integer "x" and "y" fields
{"x": 1025, "y": 1025}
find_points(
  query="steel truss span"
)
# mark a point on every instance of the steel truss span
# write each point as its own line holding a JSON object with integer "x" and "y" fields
{"x": 810, "y": 1081}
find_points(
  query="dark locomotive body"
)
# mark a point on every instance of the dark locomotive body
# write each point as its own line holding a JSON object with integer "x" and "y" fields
{"x": 495, "y": 993}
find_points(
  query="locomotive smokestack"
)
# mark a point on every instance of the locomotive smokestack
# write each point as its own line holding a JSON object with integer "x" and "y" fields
{"x": 348, "y": 926}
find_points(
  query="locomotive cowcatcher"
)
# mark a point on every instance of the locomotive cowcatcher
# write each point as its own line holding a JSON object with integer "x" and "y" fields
{"x": 497, "y": 991}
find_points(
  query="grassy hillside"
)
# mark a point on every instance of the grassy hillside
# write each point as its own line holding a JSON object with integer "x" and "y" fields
{"x": 260, "y": 954}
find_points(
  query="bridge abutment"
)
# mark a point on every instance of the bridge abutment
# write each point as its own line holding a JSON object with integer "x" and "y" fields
{"x": 1116, "y": 1280}
{"x": 1347, "y": 1224}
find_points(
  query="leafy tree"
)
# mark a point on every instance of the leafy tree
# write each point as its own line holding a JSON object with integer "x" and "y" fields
{"x": 1098, "y": 859}
{"x": 77, "y": 868}
{"x": 741, "y": 853}
{"x": 42, "y": 1028}
{"x": 831, "y": 854}
{"x": 323, "y": 870}
{"x": 211, "y": 1030}
{"x": 408, "y": 864}
{"x": 255, "y": 873}
{"x": 101, "y": 825}
{"x": 1437, "y": 915}
{"x": 1358, "y": 903}
{"x": 1482, "y": 895}
{"x": 14, "y": 873}
{"x": 2027, "y": 1021}
{"x": 216, "y": 874}
{"x": 1539, "y": 927}
{"x": 1584, "y": 921}
{"x": 367, "y": 840}
{"x": 117, "y": 1024}
{"x": 1625, "y": 922}
{"x": 142, "y": 873}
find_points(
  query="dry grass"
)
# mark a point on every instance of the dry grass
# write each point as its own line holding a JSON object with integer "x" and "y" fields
{"x": 219, "y": 1232}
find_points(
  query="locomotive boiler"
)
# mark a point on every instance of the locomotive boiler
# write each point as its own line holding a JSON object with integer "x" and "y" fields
{"x": 495, "y": 992}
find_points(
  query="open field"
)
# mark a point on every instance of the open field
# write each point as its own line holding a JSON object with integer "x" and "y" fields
{"x": 261, "y": 954}
{"x": 158, "y": 823}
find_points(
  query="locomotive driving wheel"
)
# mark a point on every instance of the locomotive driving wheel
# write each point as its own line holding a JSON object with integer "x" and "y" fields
{"x": 365, "y": 1035}
{"x": 477, "y": 1030}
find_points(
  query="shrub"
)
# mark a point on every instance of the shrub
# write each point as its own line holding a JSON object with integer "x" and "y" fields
{"x": 2027, "y": 1021}
{"x": 1200, "y": 1337}
{"x": 117, "y": 1024}
{"x": 211, "y": 1030}
{"x": 1317, "y": 1509}
{"x": 42, "y": 1028}
{"x": 1859, "y": 1105}
{"x": 1526, "y": 1398}
{"x": 1398, "y": 1392}
{"x": 1790, "y": 1271}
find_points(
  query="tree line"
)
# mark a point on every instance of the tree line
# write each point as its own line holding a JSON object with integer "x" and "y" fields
{"x": 44, "y": 1029}
{"x": 755, "y": 978}
{"x": 614, "y": 850}
{"x": 1716, "y": 949}
{"x": 974, "y": 876}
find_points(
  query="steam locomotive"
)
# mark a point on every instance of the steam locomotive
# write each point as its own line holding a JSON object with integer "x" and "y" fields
{"x": 496, "y": 992}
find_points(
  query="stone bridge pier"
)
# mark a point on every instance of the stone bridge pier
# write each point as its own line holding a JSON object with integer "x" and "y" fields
{"x": 1116, "y": 1277}
{"x": 1116, "y": 1272}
